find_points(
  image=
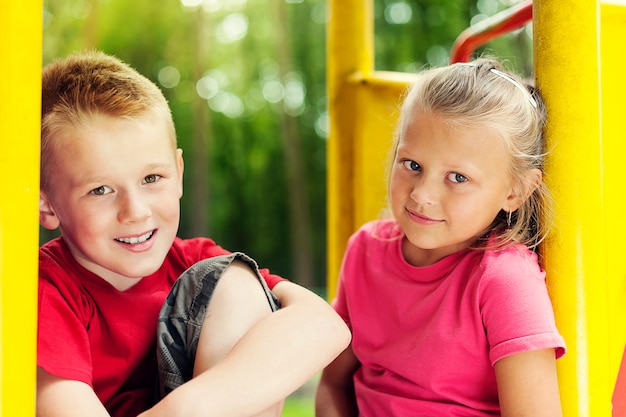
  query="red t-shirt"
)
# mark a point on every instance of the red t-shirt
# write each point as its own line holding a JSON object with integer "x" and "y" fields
{"x": 91, "y": 332}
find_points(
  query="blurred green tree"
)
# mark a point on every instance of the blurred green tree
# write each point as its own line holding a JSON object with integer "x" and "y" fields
{"x": 245, "y": 82}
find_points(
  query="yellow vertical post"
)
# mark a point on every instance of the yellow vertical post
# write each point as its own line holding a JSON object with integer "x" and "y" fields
{"x": 613, "y": 59}
{"x": 21, "y": 33}
{"x": 567, "y": 62}
{"x": 350, "y": 47}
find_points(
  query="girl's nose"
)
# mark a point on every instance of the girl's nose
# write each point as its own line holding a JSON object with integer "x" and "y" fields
{"x": 424, "y": 191}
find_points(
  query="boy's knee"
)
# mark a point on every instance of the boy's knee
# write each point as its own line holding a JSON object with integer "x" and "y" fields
{"x": 209, "y": 308}
{"x": 239, "y": 302}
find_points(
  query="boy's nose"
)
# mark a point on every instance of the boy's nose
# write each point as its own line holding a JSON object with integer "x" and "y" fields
{"x": 133, "y": 209}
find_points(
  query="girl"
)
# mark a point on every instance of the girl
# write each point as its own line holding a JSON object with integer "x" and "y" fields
{"x": 447, "y": 304}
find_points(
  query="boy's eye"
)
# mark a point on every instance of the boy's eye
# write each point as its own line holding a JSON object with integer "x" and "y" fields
{"x": 411, "y": 165}
{"x": 458, "y": 178}
{"x": 149, "y": 179}
{"x": 102, "y": 190}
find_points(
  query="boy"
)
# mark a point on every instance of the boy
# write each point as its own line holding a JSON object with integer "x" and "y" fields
{"x": 111, "y": 180}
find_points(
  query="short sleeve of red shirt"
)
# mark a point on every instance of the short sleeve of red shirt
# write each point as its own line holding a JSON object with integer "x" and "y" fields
{"x": 190, "y": 251}
{"x": 64, "y": 314}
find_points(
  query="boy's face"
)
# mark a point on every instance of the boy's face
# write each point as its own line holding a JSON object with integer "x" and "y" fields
{"x": 115, "y": 195}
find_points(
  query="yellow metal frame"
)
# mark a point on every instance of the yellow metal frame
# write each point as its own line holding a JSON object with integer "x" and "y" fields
{"x": 578, "y": 59}
{"x": 578, "y": 47}
{"x": 20, "y": 31}
{"x": 362, "y": 108}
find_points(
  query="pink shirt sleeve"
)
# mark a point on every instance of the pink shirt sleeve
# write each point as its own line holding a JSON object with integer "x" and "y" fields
{"x": 516, "y": 308}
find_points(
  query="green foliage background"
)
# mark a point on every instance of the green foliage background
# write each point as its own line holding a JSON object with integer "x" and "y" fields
{"x": 255, "y": 172}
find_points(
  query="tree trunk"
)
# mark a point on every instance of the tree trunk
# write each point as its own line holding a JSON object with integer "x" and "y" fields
{"x": 299, "y": 215}
{"x": 200, "y": 157}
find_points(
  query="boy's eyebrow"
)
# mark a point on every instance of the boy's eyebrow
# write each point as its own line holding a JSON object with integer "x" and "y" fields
{"x": 95, "y": 180}
{"x": 161, "y": 165}
{"x": 91, "y": 181}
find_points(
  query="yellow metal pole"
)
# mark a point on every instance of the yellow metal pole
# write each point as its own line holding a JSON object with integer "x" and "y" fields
{"x": 21, "y": 33}
{"x": 350, "y": 49}
{"x": 613, "y": 29}
{"x": 567, "y": 62}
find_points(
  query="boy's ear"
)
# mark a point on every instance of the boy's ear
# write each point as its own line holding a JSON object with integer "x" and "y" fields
{"x": 47, "y": 216}
{"x": 181, "y": 167}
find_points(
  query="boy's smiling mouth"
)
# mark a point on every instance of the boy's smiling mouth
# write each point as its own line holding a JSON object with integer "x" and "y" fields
{"x": 135, "y": 240}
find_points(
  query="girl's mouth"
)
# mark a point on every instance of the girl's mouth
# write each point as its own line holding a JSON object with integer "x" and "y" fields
{"x": 422, "y": 219}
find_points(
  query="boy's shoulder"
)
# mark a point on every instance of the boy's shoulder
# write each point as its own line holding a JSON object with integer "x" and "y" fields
{"x": 55, "y": 255}
{"x": 195, "y": 249}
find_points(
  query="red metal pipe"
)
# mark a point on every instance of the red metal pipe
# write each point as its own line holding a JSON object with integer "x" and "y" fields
{"x": 492, "y": 27}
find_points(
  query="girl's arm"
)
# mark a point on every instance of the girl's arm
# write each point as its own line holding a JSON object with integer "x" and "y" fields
{"x": 335, "y": 392}
{"x": 528, "y": 385}
{"x": 272, "y": 358}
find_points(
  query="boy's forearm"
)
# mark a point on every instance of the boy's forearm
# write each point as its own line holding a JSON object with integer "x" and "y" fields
{"x": 273, "y": 359}
{"x": 58, "y": 397}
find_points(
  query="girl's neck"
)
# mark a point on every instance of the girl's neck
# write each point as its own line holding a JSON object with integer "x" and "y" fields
{"x": 419, "y": 257}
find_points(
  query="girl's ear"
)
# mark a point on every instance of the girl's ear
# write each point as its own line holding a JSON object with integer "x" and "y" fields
{"x": 47, "y": 216}
{"x": 519, "y": 195}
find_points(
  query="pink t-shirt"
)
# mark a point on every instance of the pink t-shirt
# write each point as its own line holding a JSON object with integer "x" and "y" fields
{"x": 91, "y": 332}
{"x": 428, "y": 337}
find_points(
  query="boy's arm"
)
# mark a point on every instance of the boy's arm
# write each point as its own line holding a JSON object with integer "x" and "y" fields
{"x": 268, "y": 362}
{"x": 335, "y": 392}
{"x": 59, "y": 397}
{"x": 528, "y": 385}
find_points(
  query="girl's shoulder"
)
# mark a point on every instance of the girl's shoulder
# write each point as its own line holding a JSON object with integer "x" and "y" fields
{"x": 378, "y": 236}
{"x": 384, "y": 230}
{"x": 511, "y": 261}
{"x": 516, "y": 251}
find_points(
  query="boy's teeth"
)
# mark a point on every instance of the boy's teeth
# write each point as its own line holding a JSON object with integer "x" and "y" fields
{"x": 134, "y": 240}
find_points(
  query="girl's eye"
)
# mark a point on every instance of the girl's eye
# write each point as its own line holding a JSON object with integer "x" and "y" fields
{"x": 412, "y": 165}
{"x": 151, "y": 178}
{"x": 457, "y": 178}
{"x": 102, "y": 190}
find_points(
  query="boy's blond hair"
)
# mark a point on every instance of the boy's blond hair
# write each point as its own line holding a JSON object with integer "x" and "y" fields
{"x": 87, "y": 84}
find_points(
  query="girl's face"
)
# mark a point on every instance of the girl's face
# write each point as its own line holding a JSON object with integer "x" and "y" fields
{"x": 447, "y": 185}
{"x": 115, "y": 195}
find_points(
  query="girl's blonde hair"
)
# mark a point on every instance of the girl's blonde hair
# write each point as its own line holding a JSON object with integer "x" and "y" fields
{"x": 88, "y": 84}
{"x": 483, "y": 93}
